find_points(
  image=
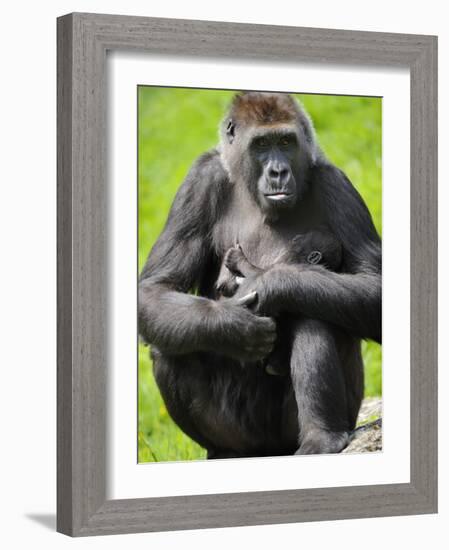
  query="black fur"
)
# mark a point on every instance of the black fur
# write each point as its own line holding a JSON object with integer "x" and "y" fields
{"x": 199, "y": 343}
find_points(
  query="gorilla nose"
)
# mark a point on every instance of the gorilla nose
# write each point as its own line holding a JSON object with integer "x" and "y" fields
{"x": 279, "y": 175}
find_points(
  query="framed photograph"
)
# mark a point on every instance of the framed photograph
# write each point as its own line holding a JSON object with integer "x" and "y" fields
{"x": 247, "y": 248}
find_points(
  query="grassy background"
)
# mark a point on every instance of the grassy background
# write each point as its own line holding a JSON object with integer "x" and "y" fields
{"x": 175, "y": 126}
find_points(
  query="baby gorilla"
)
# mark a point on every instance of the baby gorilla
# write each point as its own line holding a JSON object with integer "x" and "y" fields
{"x": 315, "y": 247}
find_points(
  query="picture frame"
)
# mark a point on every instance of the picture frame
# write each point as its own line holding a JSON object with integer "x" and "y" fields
{"x": 83, "y": 41}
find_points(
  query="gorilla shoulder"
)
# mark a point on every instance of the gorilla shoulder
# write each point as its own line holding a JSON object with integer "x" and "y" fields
{"x": 207, "y": 178}
{"x": 200, "y": 196}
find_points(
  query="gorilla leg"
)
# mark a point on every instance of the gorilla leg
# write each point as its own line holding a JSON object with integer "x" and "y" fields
{"x": 175, "y": 377}
{"x": 319, "y": 385}
{"x": 230, "y": 410}
{"x": 352, "y": 363}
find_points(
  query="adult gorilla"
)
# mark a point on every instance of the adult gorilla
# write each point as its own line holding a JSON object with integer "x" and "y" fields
{"x": 265, "y": 185}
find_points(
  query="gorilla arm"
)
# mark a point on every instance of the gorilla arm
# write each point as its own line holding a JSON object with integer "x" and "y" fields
{"x": 351, "y": 300}
{"x": 173, "y": 320}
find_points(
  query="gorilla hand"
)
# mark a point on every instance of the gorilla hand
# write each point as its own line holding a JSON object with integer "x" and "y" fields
{"x": 239, "y": 333}
{"x": 266, "y": 302}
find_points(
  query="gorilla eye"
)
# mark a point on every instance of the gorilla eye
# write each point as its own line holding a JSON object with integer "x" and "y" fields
{"x": 262, "y": 143}
{"x": 285, "y": 141}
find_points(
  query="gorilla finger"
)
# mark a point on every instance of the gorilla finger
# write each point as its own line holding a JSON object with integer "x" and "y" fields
{"x": 261, "y": 354}
{"x": 258, "y": 351}
{"x": 262, "y": 349}
{"x": 268, "y": 346}
{"x": 270, "y": 331}
{"x": 248, "y": 299}
{"x": 266, "y": 337}
{"x": 269, "y": 341}
{"x": 269, "y": 323}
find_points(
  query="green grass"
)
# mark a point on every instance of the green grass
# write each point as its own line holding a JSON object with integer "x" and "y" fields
{"x": 159, "y": 437}
{"x": 175, "y": 126}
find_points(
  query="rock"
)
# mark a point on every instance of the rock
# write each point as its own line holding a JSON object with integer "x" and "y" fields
{"x": 367, "y": 437}
{"x": 371, "y": 409}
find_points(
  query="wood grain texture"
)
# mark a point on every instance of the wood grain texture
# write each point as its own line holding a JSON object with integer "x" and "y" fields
{"x": 64, "y": 277}
{"x": 423, "y": 272}
{"x": 83, "y": 40}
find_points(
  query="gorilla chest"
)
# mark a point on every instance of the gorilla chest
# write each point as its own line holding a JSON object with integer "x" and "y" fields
{"x": 262, "y": 243}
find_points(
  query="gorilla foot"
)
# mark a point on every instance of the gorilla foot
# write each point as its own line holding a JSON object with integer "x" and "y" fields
{"x": 323, "y": 442}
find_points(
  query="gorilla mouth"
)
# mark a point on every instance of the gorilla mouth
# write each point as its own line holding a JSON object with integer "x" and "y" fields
{"x": 277, "y": 196}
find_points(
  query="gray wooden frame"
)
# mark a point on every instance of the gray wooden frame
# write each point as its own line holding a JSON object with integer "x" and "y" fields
{"x": 83, "y": 40}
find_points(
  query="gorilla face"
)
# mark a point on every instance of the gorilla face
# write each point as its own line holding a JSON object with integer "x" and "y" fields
{"x": 274, "y": 154}
{"x": 270, "y": 161}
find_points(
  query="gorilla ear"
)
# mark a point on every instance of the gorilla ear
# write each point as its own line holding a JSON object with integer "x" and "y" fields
{"x": 230, "y": 130}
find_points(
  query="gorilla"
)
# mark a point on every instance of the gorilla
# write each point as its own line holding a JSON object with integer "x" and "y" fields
{"x": 264, "y": 189}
